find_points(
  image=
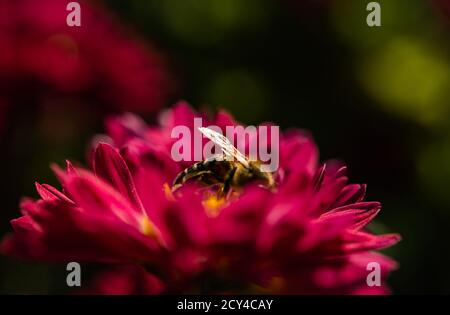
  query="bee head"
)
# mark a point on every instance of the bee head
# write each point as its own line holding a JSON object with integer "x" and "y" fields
{"x": 255, "y": 174}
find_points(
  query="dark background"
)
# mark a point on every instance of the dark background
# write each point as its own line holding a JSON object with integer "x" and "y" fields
{"x": 376, "y": 98}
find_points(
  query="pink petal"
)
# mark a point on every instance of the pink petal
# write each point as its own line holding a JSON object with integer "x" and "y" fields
{"x": 361, "y": 241}
{"x": 48, "y": 192}
{"x": 109, "y": 165}
{"x": 93, "y": 195}
{"x": 350, "y": 194}
{"x": 358, "y": 214}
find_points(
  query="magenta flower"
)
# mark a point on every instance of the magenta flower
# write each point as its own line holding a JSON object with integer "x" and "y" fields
{"x": 306, "y": 236}
{"x": 124, "y": 280}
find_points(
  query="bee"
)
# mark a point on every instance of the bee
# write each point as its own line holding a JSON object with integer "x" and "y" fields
{"x": 229, "y": 173}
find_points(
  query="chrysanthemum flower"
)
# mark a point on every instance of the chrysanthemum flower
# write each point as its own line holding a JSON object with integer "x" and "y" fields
{"x": 306, "y": 236}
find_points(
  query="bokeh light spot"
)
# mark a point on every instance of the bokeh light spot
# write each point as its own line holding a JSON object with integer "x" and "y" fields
{"x": 408, "y": 77}
{"x": 240, "y": 92}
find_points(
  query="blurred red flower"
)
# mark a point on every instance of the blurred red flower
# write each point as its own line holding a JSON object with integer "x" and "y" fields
{"x": 121, "y": 280}
{"x": 443, "y": 7}
{"x": 307, "y": 237}
{"x": 41, "y": 54}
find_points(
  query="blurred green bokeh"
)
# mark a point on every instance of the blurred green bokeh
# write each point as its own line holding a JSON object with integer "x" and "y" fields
{"x": 409, "y": 78}
{"x": 203, "y": 22}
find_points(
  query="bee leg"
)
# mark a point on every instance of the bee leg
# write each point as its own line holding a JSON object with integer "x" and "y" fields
{"x": 225, "y": 189}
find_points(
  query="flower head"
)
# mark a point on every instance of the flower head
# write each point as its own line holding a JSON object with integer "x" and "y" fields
{"x": 307, "y": 236}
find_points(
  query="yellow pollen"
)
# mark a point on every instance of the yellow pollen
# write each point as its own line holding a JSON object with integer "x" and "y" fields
{"x": 148, "y": 228}
{"x": 213, "y": 205}
{"x": 168, "y": 192}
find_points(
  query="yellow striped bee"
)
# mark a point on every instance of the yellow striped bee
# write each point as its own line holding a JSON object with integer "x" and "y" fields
{"x": 231, "y": 172}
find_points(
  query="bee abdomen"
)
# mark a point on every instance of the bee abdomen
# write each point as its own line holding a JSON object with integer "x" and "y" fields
{"x": 211, "y": 165}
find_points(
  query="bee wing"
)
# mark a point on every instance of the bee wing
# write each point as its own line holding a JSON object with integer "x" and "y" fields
{"x": 225, "y": 145}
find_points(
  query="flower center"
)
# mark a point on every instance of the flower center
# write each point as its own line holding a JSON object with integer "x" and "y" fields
{"x": 213, "y": 204}
{"x": 168, "y": 192}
